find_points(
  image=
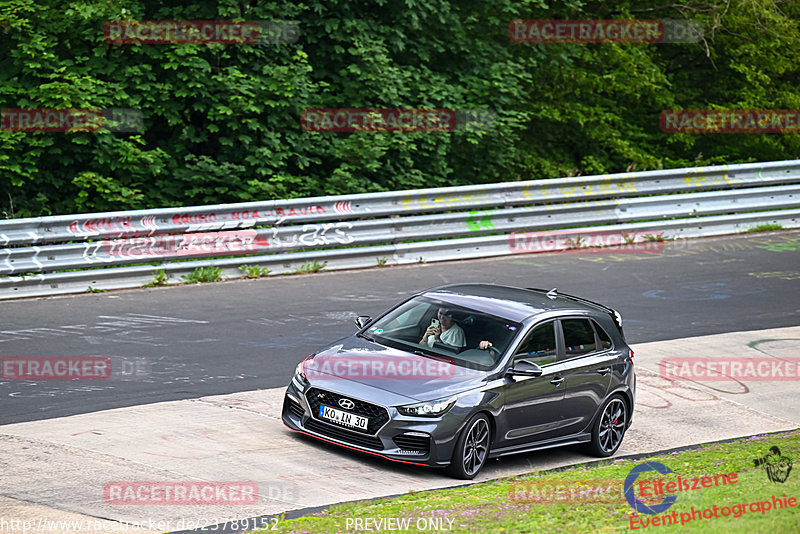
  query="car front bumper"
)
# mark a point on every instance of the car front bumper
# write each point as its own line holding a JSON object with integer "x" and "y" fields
{"x": 427, "y": 441}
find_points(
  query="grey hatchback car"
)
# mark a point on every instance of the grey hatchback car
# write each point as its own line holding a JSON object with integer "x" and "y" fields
{"x": 459, "y": 374}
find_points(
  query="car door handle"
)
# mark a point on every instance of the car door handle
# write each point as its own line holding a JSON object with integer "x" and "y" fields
{"x": 556, "y": 381}
{"x": 604, "y": 371}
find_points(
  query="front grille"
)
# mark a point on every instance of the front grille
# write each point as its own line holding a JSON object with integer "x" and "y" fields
{"x": 378, "y": 416}
{"x": 413, "y": 443}
{"x": 295, "y": 408}
{"x": 348, "y": 436}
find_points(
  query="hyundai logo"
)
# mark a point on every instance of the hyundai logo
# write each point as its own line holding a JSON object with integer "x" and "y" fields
{"x": 347, "y": 404}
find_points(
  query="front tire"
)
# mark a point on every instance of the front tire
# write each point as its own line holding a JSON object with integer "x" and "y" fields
{"x": 609, "y": 429}
{"x": 472, "y": 449}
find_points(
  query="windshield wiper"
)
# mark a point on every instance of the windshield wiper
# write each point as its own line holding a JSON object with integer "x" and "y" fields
{"x": 363, "y": 336}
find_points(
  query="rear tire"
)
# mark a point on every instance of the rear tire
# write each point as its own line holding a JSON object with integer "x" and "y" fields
{"x": 610, "y": 427}
{"x": 472, "y": 449}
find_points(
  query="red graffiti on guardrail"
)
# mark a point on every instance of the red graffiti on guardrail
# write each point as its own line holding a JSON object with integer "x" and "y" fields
{"x": 245, "y": 215}
{"x": 194, "y": 219}
{"x": 292, "y": 212}
{"x": 128, "y": 224}
{"x": 103, "y": 224}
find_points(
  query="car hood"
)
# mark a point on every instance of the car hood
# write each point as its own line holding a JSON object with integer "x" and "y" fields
{"x": 393, "y": 376}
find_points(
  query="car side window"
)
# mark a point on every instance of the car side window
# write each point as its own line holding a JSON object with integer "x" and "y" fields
{"x": 605, "y": 340}
{"x": 539, "y": 346}
{"x": 578, "y": 337}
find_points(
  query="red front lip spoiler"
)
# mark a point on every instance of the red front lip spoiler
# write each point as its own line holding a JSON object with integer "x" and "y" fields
{"x": 353, "y": 448}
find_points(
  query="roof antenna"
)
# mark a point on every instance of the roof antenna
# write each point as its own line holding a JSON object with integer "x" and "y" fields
{"x": 553, "y": 294}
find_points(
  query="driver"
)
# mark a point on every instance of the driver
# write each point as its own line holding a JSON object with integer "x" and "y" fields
{"x": 448, "y": 332}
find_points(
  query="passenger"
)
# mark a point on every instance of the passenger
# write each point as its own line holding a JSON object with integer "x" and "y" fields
{"x": 448, "y": 332}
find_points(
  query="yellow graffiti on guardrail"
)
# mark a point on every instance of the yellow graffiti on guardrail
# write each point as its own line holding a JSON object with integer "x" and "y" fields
{"x": 699, "y": 179}
{"x": 427, "y": 203}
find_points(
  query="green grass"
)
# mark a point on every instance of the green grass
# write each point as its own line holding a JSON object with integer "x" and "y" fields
{"x": 203, "y": 275}
{"x": 312, "y": 267}
{"x": 254, "y": 271}
{"x": 628, "y": 238}
{"x": 576, "y": 243}
{"x": 764, "y": 228}
{"x": 653, "y": 237}
{"x": 91, "y": 289}
{"x": 496, "y": 506}
{"x": 160, "y": 278}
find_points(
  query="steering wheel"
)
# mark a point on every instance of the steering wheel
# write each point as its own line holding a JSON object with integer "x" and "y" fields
{"x": 444, "y": 346}
{"x": 493, "y": 351}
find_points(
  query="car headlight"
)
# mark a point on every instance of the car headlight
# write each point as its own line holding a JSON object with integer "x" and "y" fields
{"x": 428, "y": 409}
{"x": 299, "y": 379}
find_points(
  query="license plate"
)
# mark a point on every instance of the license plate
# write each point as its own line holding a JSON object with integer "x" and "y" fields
{"x": 343, "y": 418}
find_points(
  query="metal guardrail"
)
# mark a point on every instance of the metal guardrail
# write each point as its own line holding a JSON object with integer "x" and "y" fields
{"x": 352, "y": 231}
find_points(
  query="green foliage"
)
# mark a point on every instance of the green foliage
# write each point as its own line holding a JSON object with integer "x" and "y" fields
{"x": 203, "y": 275}
{"x": 578, "y": 242}
{"x": 160, "y": 278}
{"x": 381, "y": 261}
{"x": 654, "y": 237}
{"x": 91, "y": 289}
{"x": 254, "y": 271}
{"x": 311, "y": 267}
{"x": 221, "y": 122}
{"x": 764, "y": 228}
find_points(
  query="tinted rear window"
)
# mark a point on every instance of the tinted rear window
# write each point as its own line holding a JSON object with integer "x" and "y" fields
{"x": 578, "y": 337}
{"x": 605, "y": 340}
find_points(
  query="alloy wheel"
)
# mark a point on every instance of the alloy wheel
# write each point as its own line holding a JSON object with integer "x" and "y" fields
{"x": 476, "y": 446}
{"x": 612, "y": 425}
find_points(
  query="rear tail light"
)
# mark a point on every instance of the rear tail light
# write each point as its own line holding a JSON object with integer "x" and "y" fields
{"x": 630, "y": 356}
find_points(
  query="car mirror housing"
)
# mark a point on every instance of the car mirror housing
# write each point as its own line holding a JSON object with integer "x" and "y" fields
{"x": 525, "y": 368}
{"x": 362, "y": 320}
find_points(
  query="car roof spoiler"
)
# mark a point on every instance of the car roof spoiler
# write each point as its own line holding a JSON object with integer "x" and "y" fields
{"x": 553, "y": 294}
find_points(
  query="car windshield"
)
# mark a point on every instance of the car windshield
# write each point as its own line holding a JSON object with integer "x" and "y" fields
{"x": 440, "y": 329}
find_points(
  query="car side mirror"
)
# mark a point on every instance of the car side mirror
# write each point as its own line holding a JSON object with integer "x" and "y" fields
{"x": 362, "y": 321}
{"x": 525, "y": 368}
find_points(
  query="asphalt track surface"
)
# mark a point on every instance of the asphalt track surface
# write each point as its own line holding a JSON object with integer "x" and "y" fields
{"x": 192, "y": 341}
{"x": 240, "y": 437}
